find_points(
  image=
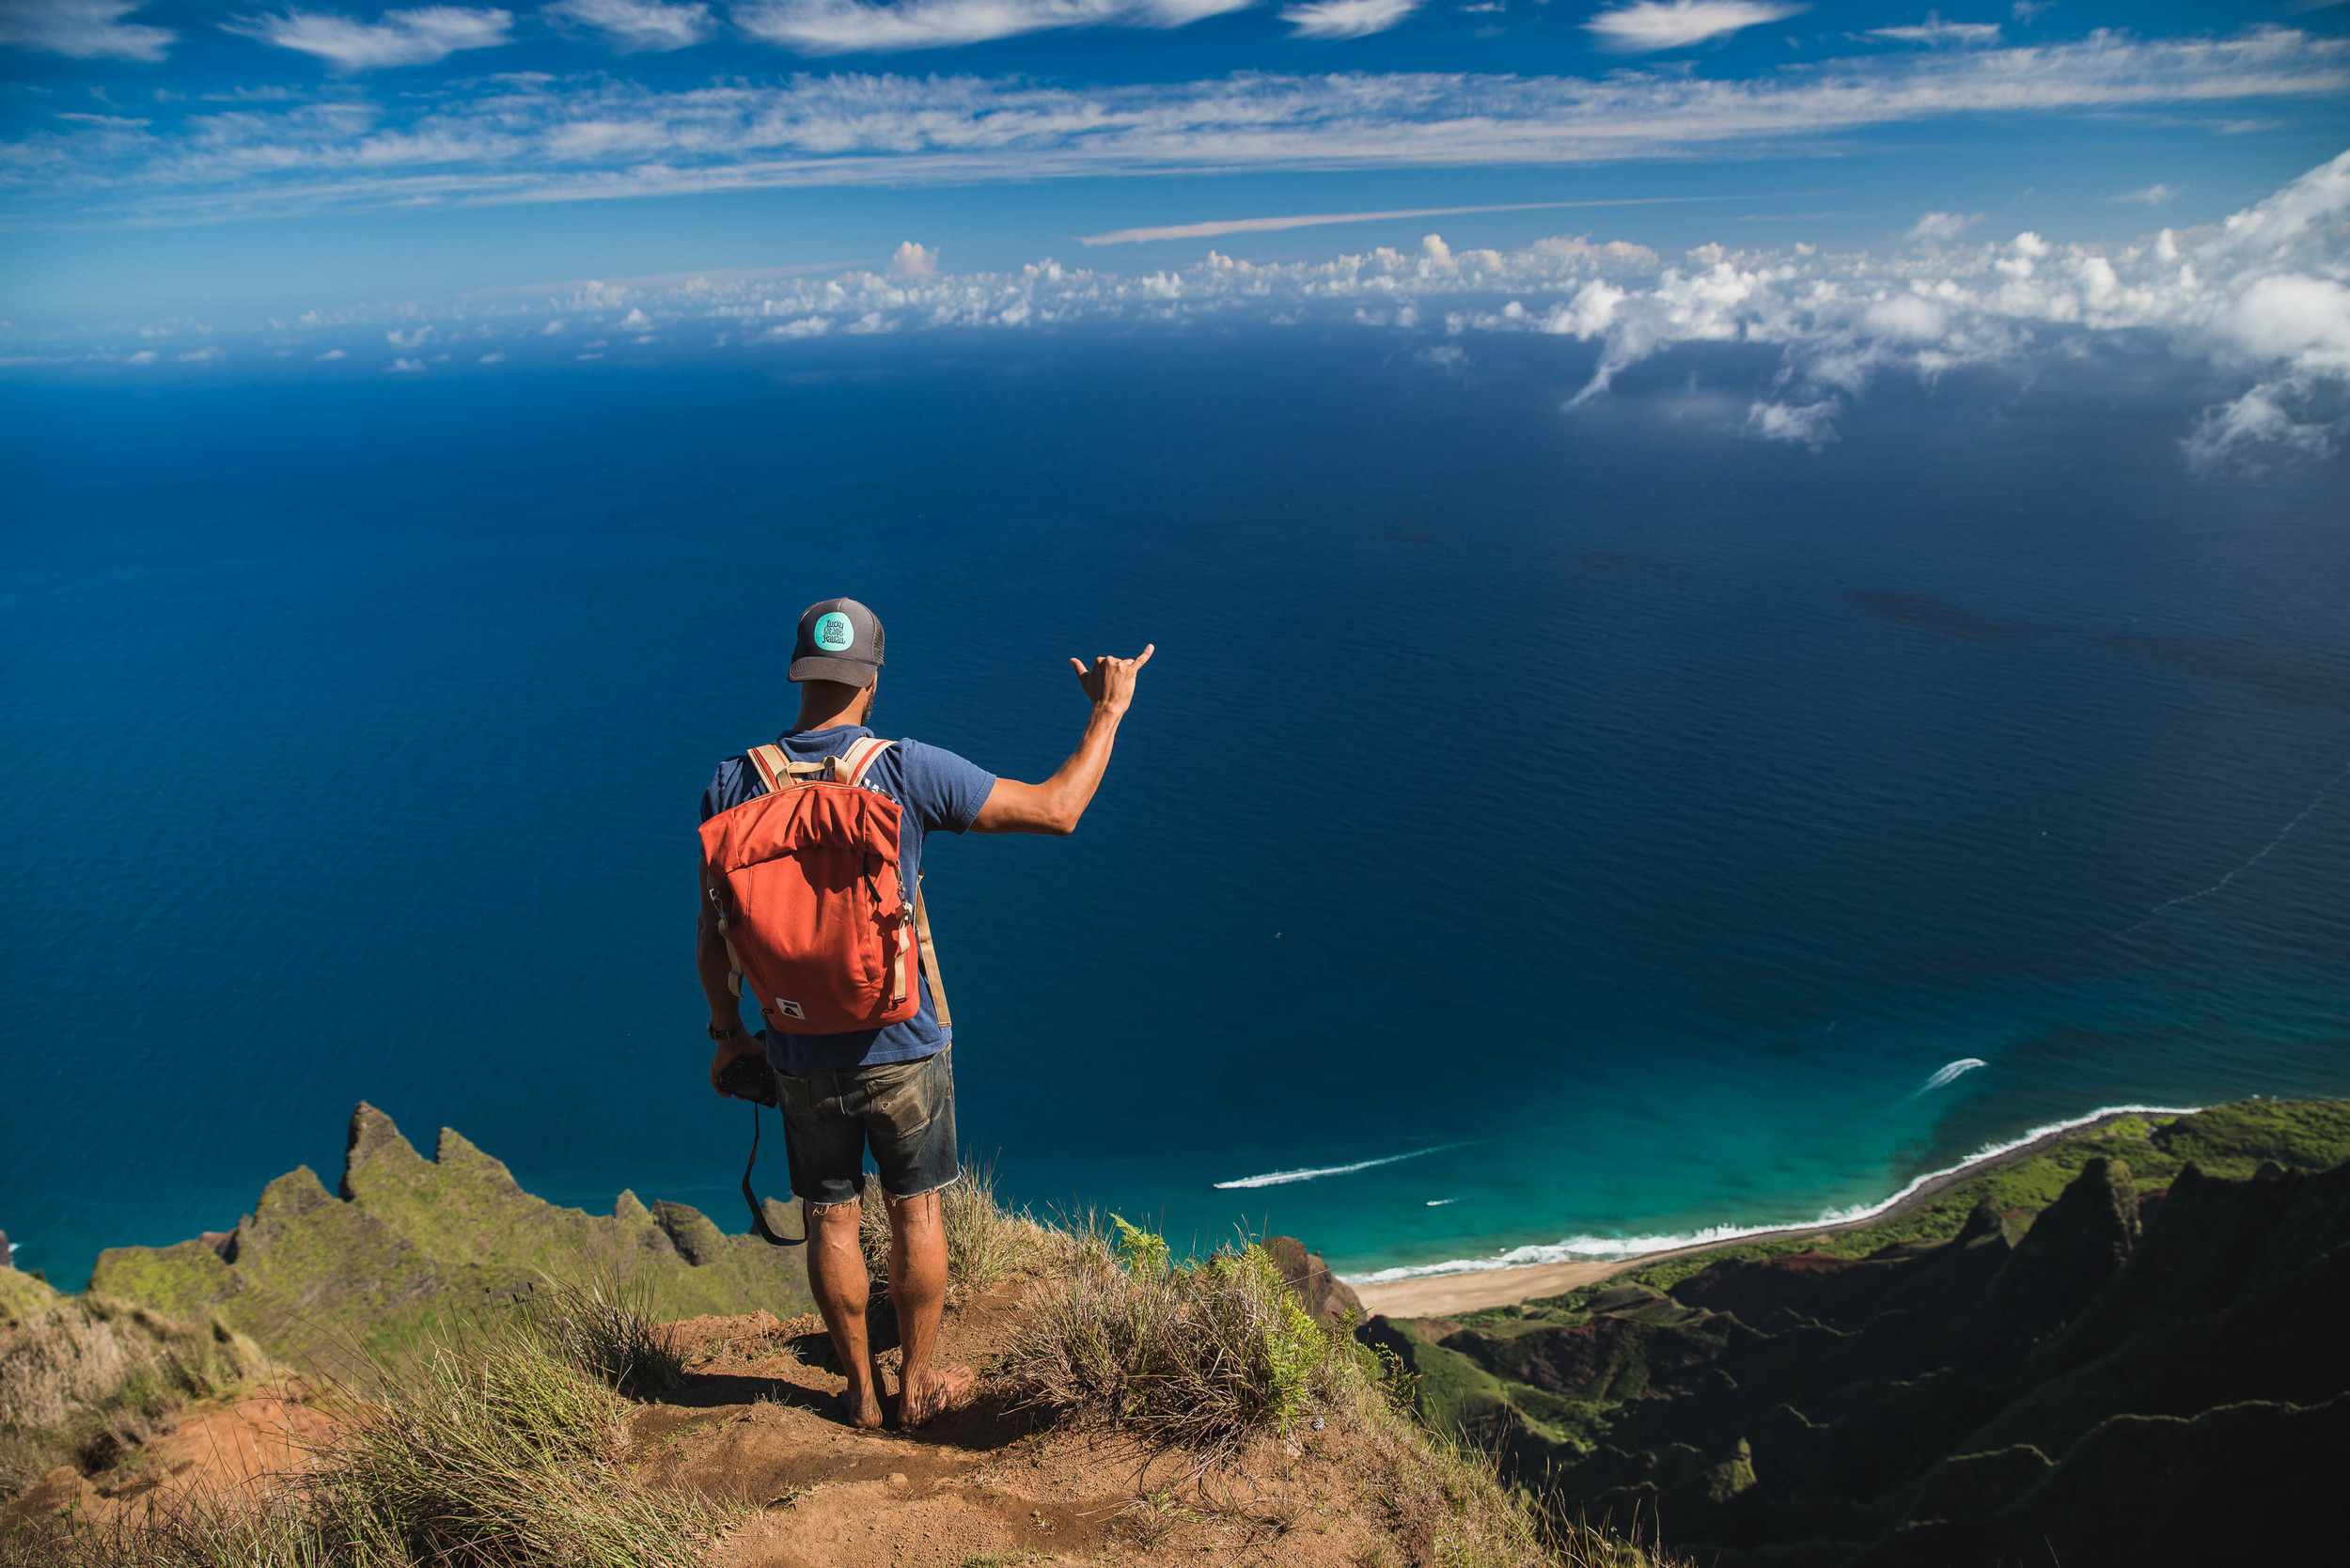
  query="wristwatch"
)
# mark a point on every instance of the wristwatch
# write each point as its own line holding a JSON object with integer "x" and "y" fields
{"x": 722, "y": 1036}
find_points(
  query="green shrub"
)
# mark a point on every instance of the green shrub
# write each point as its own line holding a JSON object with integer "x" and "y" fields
{"x": 1206, "y": 1354}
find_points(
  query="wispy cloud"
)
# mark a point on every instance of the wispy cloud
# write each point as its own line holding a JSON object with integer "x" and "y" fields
{"x": 1942, "y": 228}
{"x": 1346, "y": 19}
{"x": 1312, "y": 220}
{"x": 1935, "y": 33}
{"x": 852, "y": 26}
{"x": 1652, "y": 24}
{"x": 535, "y": 139}
{"x": 636, "y": 25}
{"x": 83, "y": 29}
{"x": 405, "y": 38}
{"x": 2151, "y": 195}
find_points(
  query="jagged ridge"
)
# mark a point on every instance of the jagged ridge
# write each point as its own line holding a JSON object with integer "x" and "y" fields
{"x": 313, "y": 1275}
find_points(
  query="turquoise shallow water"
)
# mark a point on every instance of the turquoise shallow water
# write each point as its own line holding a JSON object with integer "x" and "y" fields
{"x": 1548, "y": 830}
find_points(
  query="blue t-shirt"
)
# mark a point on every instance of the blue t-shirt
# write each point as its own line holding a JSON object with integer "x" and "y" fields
{"x": 936, "y": 790}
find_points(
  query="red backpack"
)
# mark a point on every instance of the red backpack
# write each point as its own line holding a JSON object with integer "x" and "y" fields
{"x": 803, "y": 882}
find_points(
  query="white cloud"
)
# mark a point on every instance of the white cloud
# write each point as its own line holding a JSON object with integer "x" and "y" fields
{"x": 1346, "y": 19}
{"x": 492, "y": 359}
{"x": 211, "y": 354}
{"x": 329, "y": 356}
{"x": 536, "y": 138}
{"x": 417, "y": 36}
{"x": 83, "y": 29}
{"x": 2258, "y": 425}
{"x": 1652, "y": 24}
{"x": 407, "y": 367}
{"x": 2263, "y": 296}
{"x": 1813, "y": 424}
{"x": 2152, "y": 195}
{"x": 913, "y": 261}
{"x": 1937, "y": 34}
{"x": 852, "y": 26}
{"x": 637, "y": 25}
{"x": 1940, "y": 229}
{"x": 2287, "y": 316}
{"x": 635, "y": 321}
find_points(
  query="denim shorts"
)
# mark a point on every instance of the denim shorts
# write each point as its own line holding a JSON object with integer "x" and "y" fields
{"x": 905, "y": 1110}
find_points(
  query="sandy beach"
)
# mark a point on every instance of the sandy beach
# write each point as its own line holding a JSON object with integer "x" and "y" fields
{"x": 1433, "y": 1295}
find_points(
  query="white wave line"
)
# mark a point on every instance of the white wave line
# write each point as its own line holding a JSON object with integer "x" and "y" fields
{"x": 1282, "y": 1178}
{"x": 1587, "y": 1249}
{"x": 1950, "y": 1072}
{"x": 2282, "y": 834}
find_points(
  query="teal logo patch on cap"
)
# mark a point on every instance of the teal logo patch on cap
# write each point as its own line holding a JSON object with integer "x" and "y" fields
{"x": 832, "y": 634}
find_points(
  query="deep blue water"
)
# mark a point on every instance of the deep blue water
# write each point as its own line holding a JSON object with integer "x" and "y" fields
{"x": 1631, "y": 816}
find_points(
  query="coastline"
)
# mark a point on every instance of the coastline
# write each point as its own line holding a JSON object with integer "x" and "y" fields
{"x": 1445, "y": 1289}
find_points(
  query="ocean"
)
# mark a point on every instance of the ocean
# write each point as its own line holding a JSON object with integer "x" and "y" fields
{"x": 1539, "y": 830}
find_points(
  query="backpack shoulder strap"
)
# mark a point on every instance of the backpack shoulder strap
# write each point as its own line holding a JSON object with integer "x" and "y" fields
{"x": 862, "y": 753}
{"x": 929, "y": 959}
{"x": 772, "y": 764}
{"x": 778, "y": 770}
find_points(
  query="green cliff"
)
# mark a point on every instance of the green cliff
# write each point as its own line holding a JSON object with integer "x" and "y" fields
{"x": 2125, "y": 1349}
{"x": 314, "y": 1277}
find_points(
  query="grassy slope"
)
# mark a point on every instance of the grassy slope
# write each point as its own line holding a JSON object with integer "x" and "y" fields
{"x": 2230, "y": 1140}
{"x": 412, "y": 1240}
{"x": 2225, "y": 1140}
{"x": 21, "y": 1296}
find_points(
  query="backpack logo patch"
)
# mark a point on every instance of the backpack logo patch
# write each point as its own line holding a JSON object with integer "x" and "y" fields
{"x": 833, "y": 634}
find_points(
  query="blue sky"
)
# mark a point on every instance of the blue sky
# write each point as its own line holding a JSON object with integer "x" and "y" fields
{"x": 180, "y": 156}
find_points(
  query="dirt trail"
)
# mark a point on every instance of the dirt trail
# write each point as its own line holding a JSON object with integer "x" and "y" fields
{"x": 754, "y": 1425}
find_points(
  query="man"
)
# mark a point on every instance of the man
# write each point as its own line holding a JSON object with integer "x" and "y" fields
{"x": 891, "y": 1088}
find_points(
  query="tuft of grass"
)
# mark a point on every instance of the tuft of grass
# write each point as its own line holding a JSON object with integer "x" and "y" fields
{"x": 605, "y": 1327}
{"x": 501, "y": 1447}
{"x": 986, "y": 1243}
{"x": 1207, "y": 1354}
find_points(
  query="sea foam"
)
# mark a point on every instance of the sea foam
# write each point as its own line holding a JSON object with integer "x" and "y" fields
{"x": 1596, "y": 1249}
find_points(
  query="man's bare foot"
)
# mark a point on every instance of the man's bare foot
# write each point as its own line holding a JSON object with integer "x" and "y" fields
{"x": 931, "y": 1393}
{"x": 865, "y": 1416}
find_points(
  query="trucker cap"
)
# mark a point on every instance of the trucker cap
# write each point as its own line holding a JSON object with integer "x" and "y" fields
{"x": 839, "y": 640}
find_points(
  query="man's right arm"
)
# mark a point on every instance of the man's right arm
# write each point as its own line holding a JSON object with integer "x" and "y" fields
{"x": 1055, "y": 804}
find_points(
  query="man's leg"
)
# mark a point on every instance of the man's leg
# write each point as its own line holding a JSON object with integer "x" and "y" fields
{"x": 835, "y": 1275}
{"x": 917, "y": 1288}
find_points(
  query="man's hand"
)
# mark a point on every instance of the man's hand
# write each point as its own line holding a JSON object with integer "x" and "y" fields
{"x": 1111, "y": 681}
{"x": 727, "y": 1053}
{"x": 1055, "y": 806}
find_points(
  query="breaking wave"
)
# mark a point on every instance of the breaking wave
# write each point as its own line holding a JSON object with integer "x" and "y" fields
{"x": 1593, "y": 1250}
{"x": 1282, "y": 1178}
